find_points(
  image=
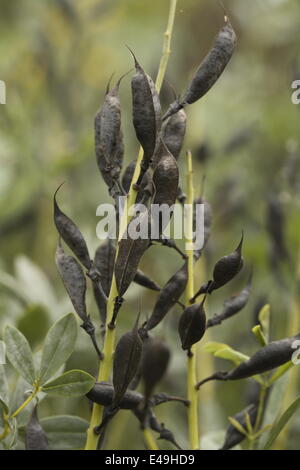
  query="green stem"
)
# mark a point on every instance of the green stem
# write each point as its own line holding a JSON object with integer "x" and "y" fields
{"x": 261, "y": 406}
{"x": 26, "y": 402}
{"x": 109, "y": 340}
{"x": 149, "y": 440}
{"x": 192, "y": 358}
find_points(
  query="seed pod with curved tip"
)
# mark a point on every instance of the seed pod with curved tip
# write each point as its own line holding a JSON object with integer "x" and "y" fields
{"x": 35, "y": 436}
{"x": 71, "y": 235}
{"x": 142, "y": 280}
{"x": 173, "y": 133}
{"x": 146, "y": 114}
{"x": 74, "y": 280}
{"x": 128, "y": 259}
{"x": 273, "y": 355}
{"x": 168, "y": 297}
{"x": 192, "y": 325}
{"x": 109, "y": 146}
{"x": 227, "y": 267}
{"x": 234, "y": 437}
{"x": 126, "y": 362}
{"x": 232, "y": 306}
{"x": 209, "y": 70}
{"x": 155, "y": 360}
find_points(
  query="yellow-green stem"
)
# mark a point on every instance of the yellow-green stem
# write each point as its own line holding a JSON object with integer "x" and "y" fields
{"x": 26, "y": 402}
{"x": 109, "y": 340}
{"x": 149, "y": 440}
{"x": 192, "y": 357}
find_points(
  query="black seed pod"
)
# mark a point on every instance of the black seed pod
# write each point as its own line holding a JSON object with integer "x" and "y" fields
{"x": 155, "y": 360}
{"x": 71, "y": 235}
{"x": 126, "y": 362}
{"x": 104, "y": 263}
{"x": 210, "y": 69}
{"x": 127, "y": 179}
{"x": 192, "y": 325}
{"x": 142, "y": 280}
{"x": 74, "y": 280}
{"x": 227, "y": 267}
{"x": 103, "y": 394}
{"x": 232, "y": 306}
{"x": 173, "y": 133}
{"x": 109, "y": 146}
{"x": 273, "y": 355}
{"x": 166, "y": 179}
{"x": 146, "y": 113}
{"x": 168, "y": 297}
{"x": 234, "y": 437}
{"x": 35, "y": 436}
{"x": 275, "y": 227}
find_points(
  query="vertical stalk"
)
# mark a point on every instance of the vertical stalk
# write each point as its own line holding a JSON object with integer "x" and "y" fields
{"x": 109, "y": 340}
{"x": 192, "y": 365}
{"x": 149, "y": 440}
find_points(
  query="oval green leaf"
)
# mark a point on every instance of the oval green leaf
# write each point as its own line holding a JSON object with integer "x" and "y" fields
{"x": 281, "y": 422}
{"x": 19, "y": 353}
{"x": 59, "y": 345}
{"x": 65, "y": 432}
{"x": 73, "y": 383}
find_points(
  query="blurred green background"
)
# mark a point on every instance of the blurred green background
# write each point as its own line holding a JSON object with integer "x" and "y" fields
{"x": 56, "y": 59}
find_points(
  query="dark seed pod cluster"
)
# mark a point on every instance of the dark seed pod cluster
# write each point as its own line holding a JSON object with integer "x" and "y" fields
{"x": 146, "y": 114}
{"x": 192, "y": 325}
{"x": 232, "y": 306}
{"x": 168, "y": 297}
{"x": 71, "y": 235}
{"x": 210, "y": 69}
{"x": 234, "y": 437}
{"x": 109, "y": 145}
{"x": 155, "y": 360}
{"x": 126, "y": 362}
{"x": 35, "y": 436}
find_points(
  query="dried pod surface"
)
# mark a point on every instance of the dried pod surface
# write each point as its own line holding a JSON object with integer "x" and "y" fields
{"x": 168, "y": 297}
{"x": 104, "y": 263}
{"x": 71, "y": 235}
{"x": 35, "y": 437}
{"x": 227, "y": 267}
{"x": 231, "y": 307}
{"x": 109, "y": 146}
{"x": 143, "y": 280}
{"x": 165, "y": 180}
{"x": 233, "y": 437}
{"x": 209, "y": 70}
{"x": 155, "y": 360}
{"x": 127, "y": 179}
{"x": 192, "y": 325}
{"x": 128, "y": 259}
{"x": 103, "y": 394}
{"x": 146, "y": 113}
{"x": 74, "y": 280}
{"x": 126, "y": 362}
{"x": 173, "y": 133}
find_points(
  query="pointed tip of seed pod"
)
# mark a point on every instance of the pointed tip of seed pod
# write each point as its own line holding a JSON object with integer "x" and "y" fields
{"x": 116, "y": 88}
{"x": 136, "y": 63}
{"x": 56, "y": 207}
{"x": 109, "y": 83}
{"x": 240, "y": 245}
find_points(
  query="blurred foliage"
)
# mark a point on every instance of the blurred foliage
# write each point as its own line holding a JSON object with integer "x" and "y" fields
{"x": 56, "y": 58}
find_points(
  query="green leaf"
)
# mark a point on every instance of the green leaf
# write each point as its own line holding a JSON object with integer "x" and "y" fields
{"x": 258, "y": 333}
{"x": 224, "y": 351}
{"x": 34, "y": 315}
{"x": 19, "y": 353}
{"x": 4, "y": 392}
{"x": 264, "y": 317}
{"x": 73, "y": 383}
{"x": 65, "y": 432}
{"x": 59, "y": 345}
{"x": 281, "y": 422}
{"x": 280, "y": 372}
